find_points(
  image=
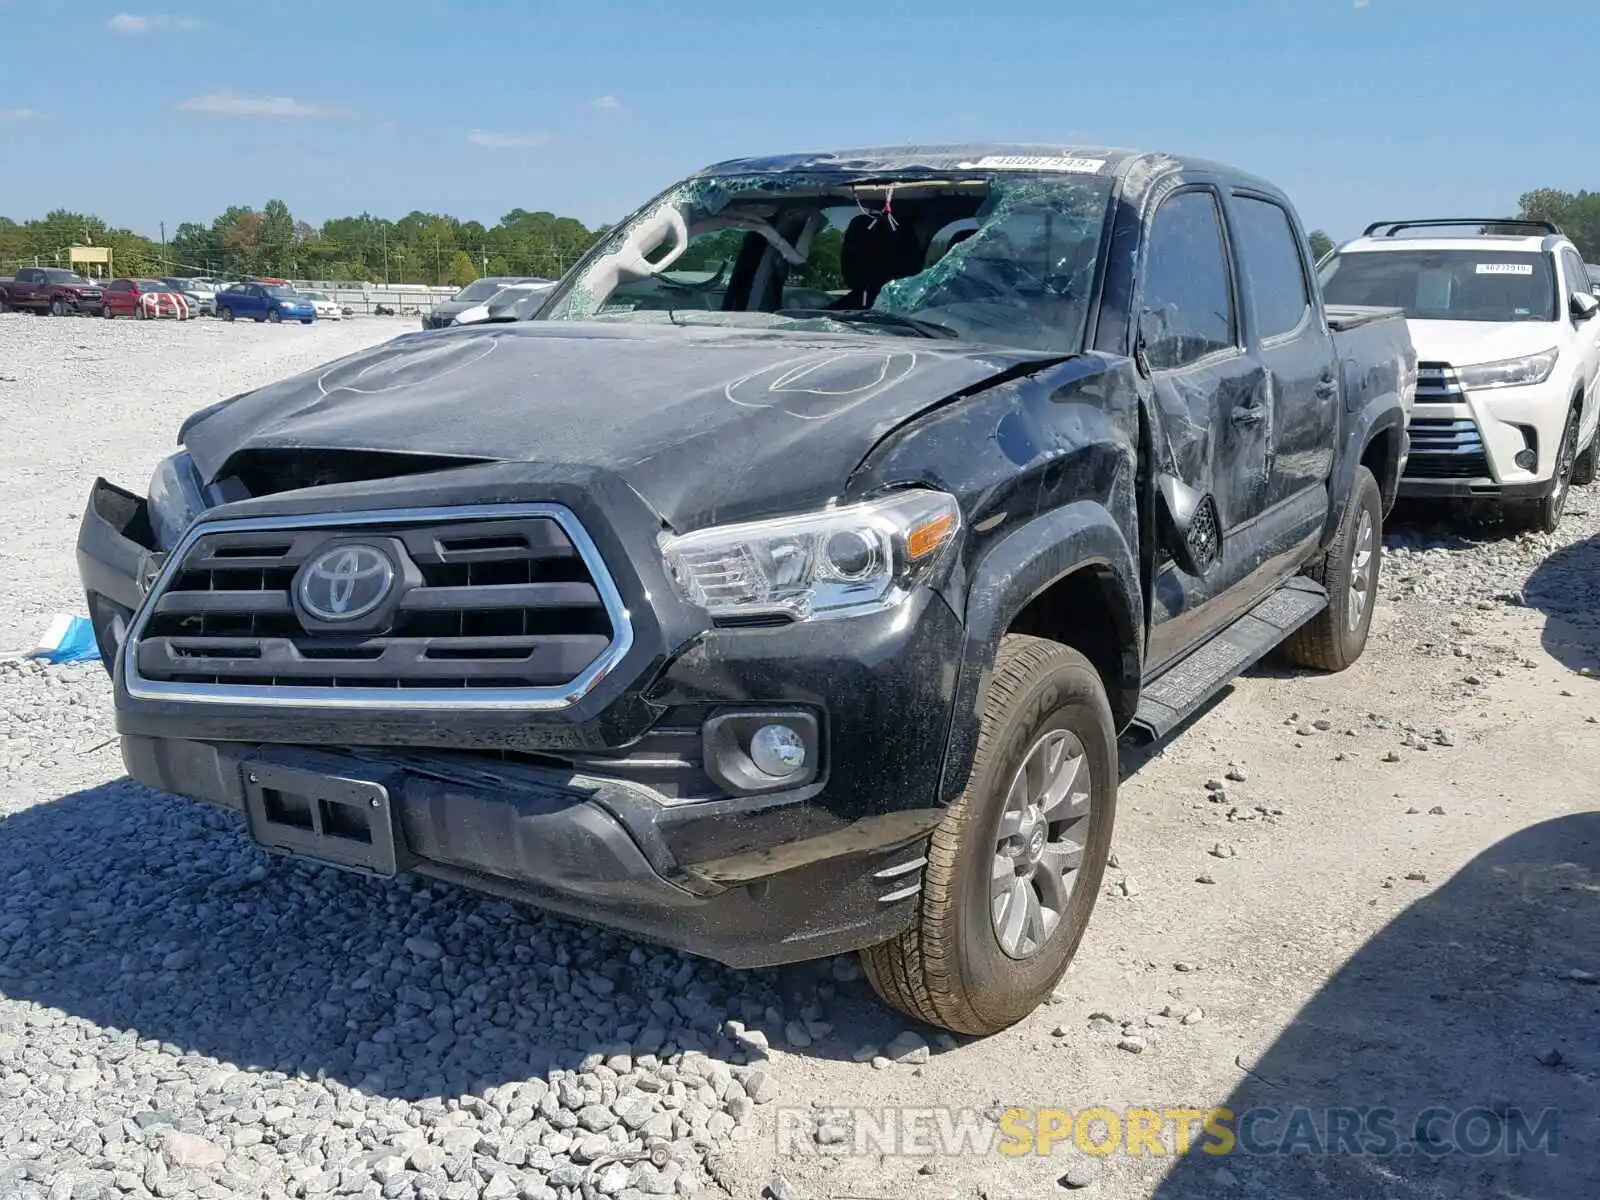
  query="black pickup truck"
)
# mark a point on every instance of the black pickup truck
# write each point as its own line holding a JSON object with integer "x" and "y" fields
{"x": 782, "y": 588}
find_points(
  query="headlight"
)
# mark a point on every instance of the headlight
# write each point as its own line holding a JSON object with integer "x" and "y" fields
{"x": 1510, "y": 372}
{"x": 836, "y": 563}
{"x": 177, "y": 497}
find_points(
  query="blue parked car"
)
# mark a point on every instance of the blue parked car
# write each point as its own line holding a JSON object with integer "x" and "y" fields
{"x": 265, "y": 302}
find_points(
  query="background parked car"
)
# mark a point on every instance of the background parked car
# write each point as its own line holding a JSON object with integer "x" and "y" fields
{"x": 50, "y": 289}
{"x": 1594, "y": 276}
{"x": 202, "y": 297}
{"x": 1509, "y": 337}
{"x": 327, "y": 307}
{"x": 516, "y": 303}
{"x": 144, "y": 298}
{"x": 504, "y": 304}
{"x": 273, "y": 302}
{"x": 476, "y": 293}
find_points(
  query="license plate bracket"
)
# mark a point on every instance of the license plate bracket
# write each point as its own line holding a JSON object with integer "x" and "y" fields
{"x": 324, "y": 812}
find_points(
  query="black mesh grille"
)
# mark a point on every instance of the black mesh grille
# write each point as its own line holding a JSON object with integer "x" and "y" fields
{"x": 495, "y": 604}
{"x": 1446, "y": 448}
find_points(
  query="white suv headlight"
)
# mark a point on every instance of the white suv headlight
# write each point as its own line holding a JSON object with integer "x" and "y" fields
{"x": 836, "y": 563}
{"x": 177, "y": 497}
{"x": 1510, "y": 372}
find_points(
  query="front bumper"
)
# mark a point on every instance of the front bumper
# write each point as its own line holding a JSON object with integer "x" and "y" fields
{"x": 608, "y": 810}
{"x": 1466, "y": 445}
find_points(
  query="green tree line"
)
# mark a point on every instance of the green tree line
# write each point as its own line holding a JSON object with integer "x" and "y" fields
{"x": 1578, "y": 214}
{"x": 431, "y": 248}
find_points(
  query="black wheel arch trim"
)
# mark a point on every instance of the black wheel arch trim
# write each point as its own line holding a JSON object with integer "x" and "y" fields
{"x": 1382, "y": 416}
{"x": 1019, "y": 568}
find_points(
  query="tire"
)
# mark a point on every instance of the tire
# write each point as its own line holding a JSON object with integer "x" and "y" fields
{"x": 138, "y": 312}
{"x": 58, "y": 308}
{"x": 274, "y": 316}
{"x": 1584, "y": 467}
{"x": 951, "y": 968}
{"x": 1336, "y": 636}
{"x": 105, "y": 311}
{"x": 1544, "y": 516}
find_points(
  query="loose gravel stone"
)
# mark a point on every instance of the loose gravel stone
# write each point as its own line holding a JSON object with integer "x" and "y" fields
{"x": 907, "y": 1047}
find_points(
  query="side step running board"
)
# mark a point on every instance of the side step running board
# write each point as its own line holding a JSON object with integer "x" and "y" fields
{"x": 1179, "y": 692}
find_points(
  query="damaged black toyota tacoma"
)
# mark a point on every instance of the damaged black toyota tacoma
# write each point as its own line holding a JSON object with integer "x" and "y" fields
{"x": 783, "y": 587}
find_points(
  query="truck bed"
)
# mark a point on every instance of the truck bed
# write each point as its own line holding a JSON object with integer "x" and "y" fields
{"x": 1376, "y": 357}
{"x": 1343, "y": 317}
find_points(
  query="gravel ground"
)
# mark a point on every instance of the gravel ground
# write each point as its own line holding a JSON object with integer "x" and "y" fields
{"x": 1378, "y": 887}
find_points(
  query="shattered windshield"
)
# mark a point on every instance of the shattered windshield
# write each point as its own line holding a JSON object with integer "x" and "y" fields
{"x": 1006, "y": 260}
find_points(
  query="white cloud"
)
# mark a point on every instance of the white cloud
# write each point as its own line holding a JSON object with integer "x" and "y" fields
{"x": 19, "y": 114}
{"x": 507, "y": 141}
{"x": 233, "y": 104}
{"x": 606, "y": 104}
{"x": 132, "y": 25}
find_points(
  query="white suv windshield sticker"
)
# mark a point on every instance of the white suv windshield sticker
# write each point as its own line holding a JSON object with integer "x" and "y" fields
{"x": 1028, "y": 162}
{"x": 1505, "y": 268}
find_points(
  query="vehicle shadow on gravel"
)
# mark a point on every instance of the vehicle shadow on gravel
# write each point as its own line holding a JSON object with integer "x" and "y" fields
{"x": 1566, "y": 589}
{"x": 157, "y": 918}
{"x": 1478, "y": 1001}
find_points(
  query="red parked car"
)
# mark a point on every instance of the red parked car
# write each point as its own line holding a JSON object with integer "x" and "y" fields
{"x": 144, "y": 299}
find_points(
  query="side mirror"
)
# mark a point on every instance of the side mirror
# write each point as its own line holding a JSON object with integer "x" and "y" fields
{"x": 1584, "y": 306}
{"x": 1194, "y": 534}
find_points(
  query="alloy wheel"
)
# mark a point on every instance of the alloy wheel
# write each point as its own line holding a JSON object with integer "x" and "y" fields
{"x": 1040, "y": 844}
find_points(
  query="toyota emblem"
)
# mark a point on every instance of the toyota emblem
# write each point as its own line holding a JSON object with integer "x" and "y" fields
{"x": 345, "y": 583}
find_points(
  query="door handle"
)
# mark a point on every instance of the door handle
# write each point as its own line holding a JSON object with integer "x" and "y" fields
{"x": 1327, "y": 387}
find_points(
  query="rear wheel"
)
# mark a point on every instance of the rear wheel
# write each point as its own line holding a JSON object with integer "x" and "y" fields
{"x": 1015, "y": 866}
{"x": 1336, "y": 636}
{"x": 1544, "y": 516}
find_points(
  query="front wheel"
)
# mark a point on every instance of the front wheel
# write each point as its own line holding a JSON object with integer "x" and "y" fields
{"x": 1336, "y": 636}
{"x": 225, "y": 313}
{"x": 58, "y": 308}
{"x": 1015, "y": 866}
{"x": 304, "y": 321}
{"x": 1544, "y": 516}
{"x": 275, "y": 316}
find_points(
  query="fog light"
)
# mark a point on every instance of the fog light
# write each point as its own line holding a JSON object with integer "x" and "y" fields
{"x": 777, "y": 750}
{"x": 1526, "y": 459}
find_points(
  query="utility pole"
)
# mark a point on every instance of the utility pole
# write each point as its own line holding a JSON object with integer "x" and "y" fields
{"x": 384, "y": 229}
{"x": 163, "y": 243}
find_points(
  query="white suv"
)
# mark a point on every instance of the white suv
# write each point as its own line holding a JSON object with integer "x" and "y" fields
{"x": 1508, "y": 349}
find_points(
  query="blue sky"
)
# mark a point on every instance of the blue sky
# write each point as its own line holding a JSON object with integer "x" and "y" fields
{"x": 1361, "y": 109}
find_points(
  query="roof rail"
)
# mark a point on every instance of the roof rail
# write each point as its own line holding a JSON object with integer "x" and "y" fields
{"x": 1390, "y": 228}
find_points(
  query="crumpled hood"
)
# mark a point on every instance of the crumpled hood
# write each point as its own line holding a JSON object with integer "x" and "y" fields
{"x": 707, "y": 424}
{"x": 1467, "y": 343}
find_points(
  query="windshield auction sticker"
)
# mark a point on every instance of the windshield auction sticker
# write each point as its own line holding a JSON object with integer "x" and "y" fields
{"x": 1505, "y": 268}
{"x": 1031, "y": 162}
